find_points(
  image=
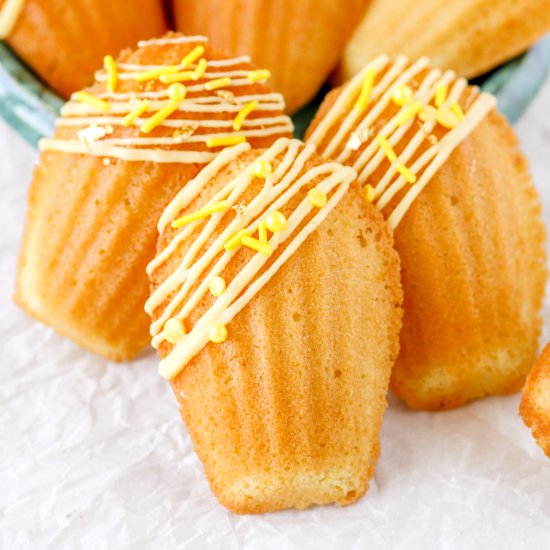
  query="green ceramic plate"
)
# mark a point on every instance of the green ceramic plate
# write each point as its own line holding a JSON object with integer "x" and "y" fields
{"x": 31, "y": 108}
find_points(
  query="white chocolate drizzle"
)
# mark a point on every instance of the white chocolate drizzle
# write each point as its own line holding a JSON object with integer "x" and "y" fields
{"x": 353, "y": 137}
{"x": 188, "y": 138}
{"x": 178, "y": 39}
{"x": 9, "y": 15}
{"x": 288, "y": 179}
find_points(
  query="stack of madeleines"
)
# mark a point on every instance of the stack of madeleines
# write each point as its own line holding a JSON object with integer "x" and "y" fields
{"x": 300, "y": 41}
{"x": 289, "y": 284}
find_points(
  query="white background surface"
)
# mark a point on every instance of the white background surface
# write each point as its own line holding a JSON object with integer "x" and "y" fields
{"x": 93, "y": 455}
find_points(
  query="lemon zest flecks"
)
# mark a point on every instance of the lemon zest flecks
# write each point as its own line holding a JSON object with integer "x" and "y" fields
{"x": 192, "y": 56}
{"x": 447, "y": 118}
{"x": 112, "y": 72}
{"x": 218, "y": 83}
{"x": 456, "y": 109}
{"x": 275, "y": 221}
{"x": 409, "y": 112}
{"x": 200, "y": 214}
{"x": 440, "y": 95}
{"x": 257, "y": 245}
{"x": 243, "y": 113}
{"x": 401, "y": 95}
{"x": 369, "y": 193}
{"x": 236, "y": 241}
{"x": 217, "y": 333}
{"x": 177, "y": 91}
{"x": 366, "y": 89}
{"x": 262, "y": 232}
{"x": 317, "y": 197}
{"x": 182, "y": 76}
{"x": 95, "y": 102}
{"x": 260, "y": 74}
{"x": 143, "y": 107}
{"x": 217, "y": 286}
{"x": 225, "y": 141}
{"x": 386, "y": 148}
{"x": 174, "y": 330}
{"x": 160, "y": 116}
{"x": 262, "y": 169}
{"x": 155, "y": 73}
{"x": 200, "y": 69}
{"x": 405, "y": 172}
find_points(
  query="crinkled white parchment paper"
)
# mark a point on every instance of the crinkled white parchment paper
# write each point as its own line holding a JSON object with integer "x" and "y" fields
{"x": 93, "y": 455}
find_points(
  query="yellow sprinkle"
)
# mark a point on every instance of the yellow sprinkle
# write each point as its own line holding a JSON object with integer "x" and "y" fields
{"x": 174, "y": 330}
{"x": 447, "y": 118}
{"x": 401, "y": 95}
{"x": 217, "y": 333}
{"x": 440, "y": 95}
{"x": 89, "y": 99}
{"x": 427, "y": 113}
{"x": 112, "y": 72}
{"x": 366, "y": 88}
{"x": 409, "y": 112}
{"x": 225, "y": 141}
{"x": 260, "y": 74}
{"x": 160, "y": 116}
{"x": 218, "y": 83}
{"x": 177, "y": 91}
{"x": 317, "y": 197}
{"x": 405, "y": 172}
{"x": 192, "y": 56}
{"x": 262, "y": 169}
{"x": 236, "y": 240}
{"x": 262, "y": 232}
{"x": 200, "y": 70}
{"x": 176, "y": 77}
{"x": 217, "y": 286}
{"x": 243, "y": 113}
{"x": 369, "y": 193}
{"x": 200, "y": 214}
{"x": 457, "y": 110}
{"x": 275, "y": 221}
{"x": 387, "y": 148}
{"x": 156, "y": 73}
{"x": 259, "y": 246}
{"x": 136, "y": 112}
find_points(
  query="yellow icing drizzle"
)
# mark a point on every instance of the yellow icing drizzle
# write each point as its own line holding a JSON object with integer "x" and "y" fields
{"x": 191, "y": 279}
{"x": 164, "y": 106}
{"x": 349, "y": 131}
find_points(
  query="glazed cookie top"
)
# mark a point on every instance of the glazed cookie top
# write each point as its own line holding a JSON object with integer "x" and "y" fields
{"x": 396, "y": 123}
{"x": 249, "y": 227}
{"x": 173, "y": 100}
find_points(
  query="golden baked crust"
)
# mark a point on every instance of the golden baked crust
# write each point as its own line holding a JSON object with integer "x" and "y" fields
{"x": 470, "y": 36}
{"x": 64, "y": 42}
{"x": 91, "y": 224}
{"x": 535, "y": 401}
{"x": 473, "y": 271}
{"x": 300, "y": 42}
{"x": 286, "y": 412}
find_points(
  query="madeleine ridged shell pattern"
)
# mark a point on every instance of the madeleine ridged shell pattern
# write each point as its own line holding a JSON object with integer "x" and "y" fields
{"x": 286, "y": 412}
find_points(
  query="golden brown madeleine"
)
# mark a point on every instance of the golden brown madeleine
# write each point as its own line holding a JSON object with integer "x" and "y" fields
{"x": 299, "y": 283}
{"x": 120, "y": 152}
{"x": 299, "y": 42}
{"x": 445, "y": 170}
{"x": 535, "y": 401}
{"x": 470, "y": 37}
{"x": 64, "y": 42}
